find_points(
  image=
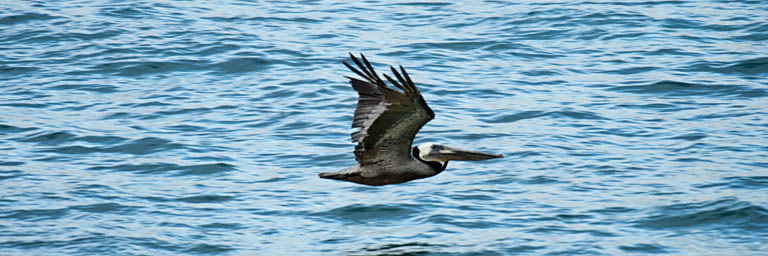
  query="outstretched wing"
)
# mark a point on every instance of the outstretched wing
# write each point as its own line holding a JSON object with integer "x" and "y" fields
{"x": 388, "y": 119}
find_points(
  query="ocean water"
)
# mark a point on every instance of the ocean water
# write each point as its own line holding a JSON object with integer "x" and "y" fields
{"x": 198, "y": 128}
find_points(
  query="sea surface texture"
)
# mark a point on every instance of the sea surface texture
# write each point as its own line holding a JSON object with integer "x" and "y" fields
{"x": 199, "y": 127}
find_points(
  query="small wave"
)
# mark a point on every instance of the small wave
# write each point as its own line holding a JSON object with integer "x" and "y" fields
{"x": 265, "y": 19}
{"x": 727, "y": 213}
{"x": 425, "y": 3}
{"x": 458, "y": 45}
{"x": 614, "y": 210}
{"x": 359, "y": 212}
{"x": 510, "y": 118}
{"x": 214, "y": 48}
{"x": 208, "y": 249}
{"x": 50, "y": 137}
{"x": 643, "y": 248}
{"x": 98, "y": 88}
{"x": 626, "y": 36}
{"x": 4, "y": 163}
{"x": 748, "y": 182}
{"x": 145, "y": 146}
{"x": 615, "y": 15}
{"x": 25, "y": 17}
{"x": 88, "y": 36}
{"x": 752, "y": 66}
{"x": 11, "y": 71}
{"x": 222, "y": 226}
{"x": 105, "y": 208}
{"x": 674, "y": 88}
{"x": 185, "y": 111}
{"x": 241, "y": 65}
{"x": 9, "y": 129}
{"x": 540, "y": 180}
{"x": 675, "y": 23}
{"x": 631, "y": 70}
{"x": 140, "y": 68}
{"x": 662, "y": 87}
{"x": 646, "y": 3}
{"x": 200, "y": 169}
{"x": 553, "y": 34}
{"x": 132, "y": 10}
{"x": 10, "y": 174}
{"x": 690, "y": 137}
{"x": 662, "y": 107}
{"x": 202, "y": 199}
{"x": 147, "y": 104}
{"x": 35, "y": 214}
{"x": 206, "y": 169}
{"x": 562, "y": 230}
{"x": 462, "y": 222}
{"x": 410, "y": 248}
{"x": 142, "y": 146}
{"x": 25, "y": 105}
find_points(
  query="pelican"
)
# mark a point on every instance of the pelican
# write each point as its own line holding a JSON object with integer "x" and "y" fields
{"x": 388, "y": 120}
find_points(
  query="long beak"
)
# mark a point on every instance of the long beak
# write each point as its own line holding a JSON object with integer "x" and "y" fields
{"x": 449, "y": 153}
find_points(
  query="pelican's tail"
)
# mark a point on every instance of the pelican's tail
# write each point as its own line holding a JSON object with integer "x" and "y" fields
{"x": 332, "y": 175}
{"x": 341, "y": 175}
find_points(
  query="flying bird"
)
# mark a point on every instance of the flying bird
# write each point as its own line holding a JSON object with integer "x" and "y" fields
{"x": 387, "y": 121}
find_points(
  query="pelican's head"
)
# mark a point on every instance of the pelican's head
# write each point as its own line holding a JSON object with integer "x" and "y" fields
{"x": 431, "y": 152}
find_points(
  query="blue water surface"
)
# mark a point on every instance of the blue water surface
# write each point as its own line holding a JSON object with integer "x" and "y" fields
{"x": 199, "y": 127}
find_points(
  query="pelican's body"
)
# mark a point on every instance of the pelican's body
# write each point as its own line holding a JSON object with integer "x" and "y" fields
{"x": 388, "y": 120}
{"x": 383, "y": 174}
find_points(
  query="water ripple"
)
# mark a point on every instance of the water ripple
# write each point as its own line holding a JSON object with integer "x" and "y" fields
{"x": 730, "y": 213}
{"x": 151, "y": 128}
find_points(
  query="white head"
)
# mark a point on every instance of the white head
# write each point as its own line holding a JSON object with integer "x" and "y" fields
{"x": 425, "y": 153}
